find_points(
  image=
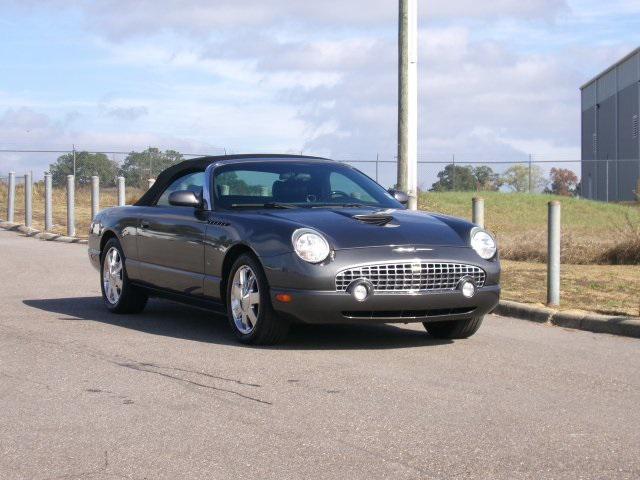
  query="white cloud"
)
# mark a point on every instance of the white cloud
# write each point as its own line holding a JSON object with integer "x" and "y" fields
{"x": 126, "y": 113}
{"x": 497, "y": 79}
{"x": 466, "y": 87}
{"x": 118, "y": 19}
{"x": 27, "y": 129}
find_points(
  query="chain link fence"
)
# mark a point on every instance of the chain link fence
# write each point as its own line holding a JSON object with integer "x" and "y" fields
{"x": 604, "y": 179}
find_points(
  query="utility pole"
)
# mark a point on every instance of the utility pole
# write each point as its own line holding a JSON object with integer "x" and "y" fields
{"x": 408, "y": 100}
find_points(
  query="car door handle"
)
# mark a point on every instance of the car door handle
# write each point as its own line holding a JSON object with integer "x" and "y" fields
{"x": 144, "y": 224}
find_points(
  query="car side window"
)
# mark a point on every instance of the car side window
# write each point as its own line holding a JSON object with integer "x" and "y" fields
{"x": 192, "y": 181}
{"x": 246, "y": 183}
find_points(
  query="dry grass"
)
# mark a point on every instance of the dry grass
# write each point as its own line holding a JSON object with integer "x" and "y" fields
{"x": 627, "y": 250}
{"x": 609, "y": 289}
{"x": 108, "y": 198}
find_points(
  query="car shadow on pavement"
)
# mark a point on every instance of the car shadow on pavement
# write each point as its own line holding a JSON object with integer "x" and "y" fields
{"x": 162, "y": 317}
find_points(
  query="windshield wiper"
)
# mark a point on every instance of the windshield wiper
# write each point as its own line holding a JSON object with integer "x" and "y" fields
{"x": 339, "y": 205}
{"x": 264, "y": 205}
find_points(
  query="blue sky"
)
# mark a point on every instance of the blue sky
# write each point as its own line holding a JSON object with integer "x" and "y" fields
{"x": 498, "y": 80}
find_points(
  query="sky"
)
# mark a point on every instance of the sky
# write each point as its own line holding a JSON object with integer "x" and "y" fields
{"x": 498, "y": 80}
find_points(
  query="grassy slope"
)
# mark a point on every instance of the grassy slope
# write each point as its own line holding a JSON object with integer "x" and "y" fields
{"x": 519, "y": 222}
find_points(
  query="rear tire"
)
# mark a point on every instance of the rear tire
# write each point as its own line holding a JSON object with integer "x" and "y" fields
{"x": 454, "y": 329}
{"x": 118, "y": 294}
{"x": 249, "y": 308}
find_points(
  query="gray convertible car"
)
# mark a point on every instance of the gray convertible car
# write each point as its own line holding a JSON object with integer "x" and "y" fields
{"x": 274, "y": 239}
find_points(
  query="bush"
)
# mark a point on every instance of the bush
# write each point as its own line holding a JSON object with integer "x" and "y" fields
{"x": 627, "y": 251}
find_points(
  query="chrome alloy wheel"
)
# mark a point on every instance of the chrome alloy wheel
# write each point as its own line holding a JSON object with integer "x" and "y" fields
{"x": 112, "y": 275}
{"x": 245, "y": 300}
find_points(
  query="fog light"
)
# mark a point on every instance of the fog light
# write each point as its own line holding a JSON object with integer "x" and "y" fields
{"x": 360, "y": 290}
{"x": 467, "y": 288}
{"x": 360, "y": 293}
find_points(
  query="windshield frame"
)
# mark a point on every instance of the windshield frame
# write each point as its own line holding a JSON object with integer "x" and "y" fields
{"x": 384, "y": 200}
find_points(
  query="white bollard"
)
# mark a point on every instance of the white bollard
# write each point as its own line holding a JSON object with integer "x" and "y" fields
{"x": 48, "y": 204}
{"x": 28, "y": 201}
{"x": 477, "y": 215}
{"x": 11, "y": 197}
{"x": 71, "y": 207}
{"x": 95, "y": 196}
{"x": 553, "y": 261}
{"x": 121, "y": 192}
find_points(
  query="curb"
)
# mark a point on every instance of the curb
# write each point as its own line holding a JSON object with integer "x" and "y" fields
{"x": 578, "y": 320}
{"x": 508, "y": 308}
{"x": 46, "y": 236}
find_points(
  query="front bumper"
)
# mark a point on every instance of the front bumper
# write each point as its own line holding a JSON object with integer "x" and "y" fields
{"x": 310, "y": 306}
{"x": 314, "y": 298}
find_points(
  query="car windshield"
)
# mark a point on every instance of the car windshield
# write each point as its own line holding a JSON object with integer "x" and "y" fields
{"x": 288, "y": 184}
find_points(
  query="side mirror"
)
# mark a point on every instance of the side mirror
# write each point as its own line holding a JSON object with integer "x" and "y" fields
{"x": 185, "y": 198}
{"x": 401, "y": 197}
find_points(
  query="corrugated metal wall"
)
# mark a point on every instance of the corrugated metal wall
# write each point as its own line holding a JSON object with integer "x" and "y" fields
{"x": 589, "y": 142}
{"x": 610, "y": 131}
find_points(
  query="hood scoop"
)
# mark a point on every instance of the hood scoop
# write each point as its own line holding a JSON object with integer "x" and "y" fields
{"x": 380, "y": 219}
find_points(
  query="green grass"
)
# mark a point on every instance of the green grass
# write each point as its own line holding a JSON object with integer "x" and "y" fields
{"x": 509, "y": 213}
{"x": 519, "y": 222}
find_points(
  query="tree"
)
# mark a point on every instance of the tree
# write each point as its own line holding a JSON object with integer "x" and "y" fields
{"x": 87, "y": 165}
{"x": 455, "y": 177}
{"x": 486, "y": 178}
{"x": 517, "y": 177}
{"x": 465, "y": 178}
{"x": 138, "y": 167}
{"x": 563, "y": 182}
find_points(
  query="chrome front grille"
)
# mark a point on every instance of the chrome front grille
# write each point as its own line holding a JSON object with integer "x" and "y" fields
{"x": 411, "y": 276}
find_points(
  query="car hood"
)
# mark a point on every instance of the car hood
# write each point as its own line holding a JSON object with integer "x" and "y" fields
{"x": 406, "y": 227}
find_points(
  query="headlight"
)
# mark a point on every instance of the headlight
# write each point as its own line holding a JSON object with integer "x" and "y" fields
{"x": 310, "y": 245}
{"x": 483, "y": 243}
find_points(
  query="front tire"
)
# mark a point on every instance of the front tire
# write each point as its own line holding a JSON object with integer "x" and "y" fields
{"x": 454, "y": 329}
{"x": 118, "y": 294}
{"x": 249, "y": 308}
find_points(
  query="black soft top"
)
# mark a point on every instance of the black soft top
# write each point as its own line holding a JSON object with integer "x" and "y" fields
{"x": 199, "y": 165}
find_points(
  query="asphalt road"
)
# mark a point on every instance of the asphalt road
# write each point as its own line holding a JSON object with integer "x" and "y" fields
{"x": 168, "y": 394}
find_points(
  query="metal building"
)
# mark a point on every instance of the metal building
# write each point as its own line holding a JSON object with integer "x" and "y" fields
{"x": 610, "y": 137}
